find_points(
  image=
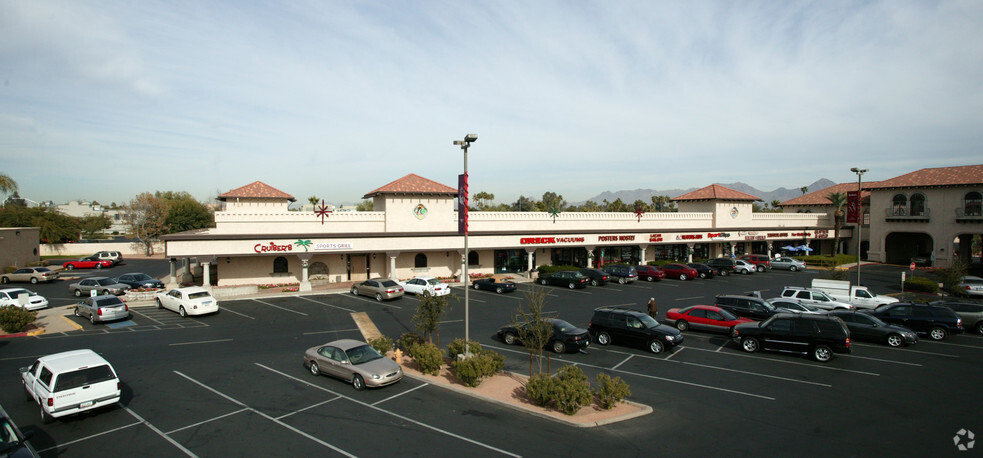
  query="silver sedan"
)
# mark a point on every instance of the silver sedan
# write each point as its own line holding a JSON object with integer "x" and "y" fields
{"x": 101, "y": 285}
{"x": 787, "y": 263}
{"x": 102, "y": 308}
{"x": 353, "y": 361}
{"x": 379, "y": 288}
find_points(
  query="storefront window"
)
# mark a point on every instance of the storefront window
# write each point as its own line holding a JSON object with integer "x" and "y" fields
{"x": 576, "y": 256}
{"x": 511, "y": 261}
{"x": 280, "y": 265}
{"x": 420, "y": 260}
{"x": 619, "y": 255}
{"x": 473, "y": 258}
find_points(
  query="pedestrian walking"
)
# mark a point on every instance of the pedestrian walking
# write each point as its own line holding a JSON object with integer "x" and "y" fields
{"x": 653, "y": 308}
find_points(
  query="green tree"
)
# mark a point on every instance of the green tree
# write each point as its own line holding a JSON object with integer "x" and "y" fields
{"x": 7, "y": 184}
{"x": 146, "y": 217}
{"x": 804, "y": 189}
{"x": 187, "y": 214}
{"x": 663, "y": 204}
{"x": 640, "y": 204}
{"x": 525, "y": 204}
{"x": 838, "y": 199}
{"x": 90, "y": 226}
{"x": 616, "y": 206}
{"x": 590, "y": 206}
{"x": 776, "y": 204}
{"x": 365, "y": 205}
{"x": 482, "y": 200}
{"x": 429, "y": 311}
{"x": 55, "y": 227}
{"x": 534, "y": 329}
{"x": 313, "y": 200}
{"x": 552, "y": 200}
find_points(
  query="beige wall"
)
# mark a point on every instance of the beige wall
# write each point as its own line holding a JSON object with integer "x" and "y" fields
{"x": 86, "y": 249}
{"x": 19, "y": 246}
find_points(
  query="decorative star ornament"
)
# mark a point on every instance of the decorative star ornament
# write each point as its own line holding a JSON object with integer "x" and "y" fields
{"x": 639, "y": 212}
{"x": 322, "y": 211}
{"x": 555, "y": 211}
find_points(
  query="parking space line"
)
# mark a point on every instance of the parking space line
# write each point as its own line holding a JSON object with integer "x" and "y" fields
{"x": 233, "y": 400}
{"x": 907, "y": 350}
{"x": 281, "y": 308}
{"x": 678, "y": 351}
{"x": 622, "y": 362}
{"x": 882, "y": 360}
{"x": 199, "y": 342}
{"x": 956, "y": 345}
{"x": 331, "y": 330}
{"x": 371, "y": 301}
{"x": 308, "y": 407}
{"x": 226, "y": 309}
{"x": 400, "y": 394}
{"x": 394, "y": 414}
{"x": 207, "y": 421}
{"x": 159, "y": 432}
{"x": 792, "y": 362}
{"x": 145, "y": 316}
{"x": 689, "y": 298}
{"x": 90, "y": 437}
{"x": 327, "y": 304}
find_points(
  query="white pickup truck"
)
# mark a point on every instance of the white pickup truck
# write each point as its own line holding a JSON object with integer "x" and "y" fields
{"x": 858, "y": 296}
{"x": 70, "y": 382}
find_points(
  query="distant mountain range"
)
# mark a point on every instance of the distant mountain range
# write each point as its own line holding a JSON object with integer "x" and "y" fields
{"x": 645, "y": 195}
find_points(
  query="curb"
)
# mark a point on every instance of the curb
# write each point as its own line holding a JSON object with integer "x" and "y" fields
{"x": 75, "y": 325}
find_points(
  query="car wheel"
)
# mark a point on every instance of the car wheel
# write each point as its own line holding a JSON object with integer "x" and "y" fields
{"x": 104, "y": 293}
{"x": 77, "y": 312}
{"x": 45, "y": 418}
{"x": 34, "y": 280}
{"x": 5, "y": 280}
{"x": 724, "y": 273}
{"x": 894, "y": 340}
{"x": 593, "y": 282}
{"x": 621, "y": 280}
{"x": 746, "y": 271}
{"x": 760, "y": 268}
{"x": 159, "y": 305}
{"x": 378, "y": 297}
{"x": 98, "y": 266}
{"x": 682, "y": 277}
{"x": 793, "y": 268}
{"x": 499, "y": 290}
{"x": 355, "y": 291}
{"x": 703, "y": 275}
{"x": 822, "y": 353}
{"x": 510, "y": 338}
{"x": 476, "y": 286}
{"x": 979, "y": 327}
{"x": 603, "y": 338}
{"x": 559, "y": 347}
{"x": 750, "y": 344}
{"x": 78, "y": 293}
{"x": 649, "y": 278}
{"x": 92, "y": 318}
{"x": 315, "y": 371}
{"x": 181, "y": 311}
{"x": 542, "y": 281}
{"x": 70, "y": 267}
{"x": 682, "y": 325}
{"x": 571, "y": 286}
{"x": 656, "y": 346}
{"x": 358, "y": 382}
{"x": 937, "y": 333}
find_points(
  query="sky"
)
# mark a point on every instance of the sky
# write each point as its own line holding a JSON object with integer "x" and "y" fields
{"x": 103, "y": 100}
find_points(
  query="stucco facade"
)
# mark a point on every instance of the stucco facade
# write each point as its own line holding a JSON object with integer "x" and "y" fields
{"x": 19, "y": 246}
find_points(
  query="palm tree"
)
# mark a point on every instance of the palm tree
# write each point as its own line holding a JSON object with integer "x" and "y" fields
{"x": 804, "y": 190}
{"x": 7, "y": 184}
{"x": 313, "y": 200}
{"x": 838, "y": 199}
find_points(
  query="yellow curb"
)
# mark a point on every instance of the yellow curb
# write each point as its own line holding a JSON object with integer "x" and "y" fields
{"x": 366, "y": 326}
{"x": 36, "y": 332}
{"x": 75, "y": 325}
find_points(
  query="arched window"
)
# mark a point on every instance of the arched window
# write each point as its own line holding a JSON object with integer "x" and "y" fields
{"x": 318, "y": 268}
{"x": 473, "y": 258}
{"x": 420, "y": 260}
{"x": 918, "y": 205}
{"x": 900, "y": 205}
{"x": 280, "y": 265}
{"x": 974, "y": 204}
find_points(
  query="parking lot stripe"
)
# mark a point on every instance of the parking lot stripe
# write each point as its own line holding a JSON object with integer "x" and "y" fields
{"x": 145, "y": 316}
{"x": 90, "y": 437}
{"x": 331, "y": 330}
{"x": 689, "y": 298}
{"x": 394, "y": 414}
{"x": 792, "y": 362}
{"x": 235, "y": 401}
{"x": 372, "y": 301}
{"x": 906, "y": 350}
{"x": 325, "y": 303}
{"x": 200, "y": 342}
{"x": 209, "y": 420}
{"x": 159, "y": 432}
{"x": 281, "y": 308}
{"x": 622, "y": 362}
{"x": 400, "y": 394}
{"x": 680, "y": 350}
{"x": 954, "y": 345}
{"x": 308, "y": 407}
{"x": 882, "y": 360}
{"x": 226, "y": 309}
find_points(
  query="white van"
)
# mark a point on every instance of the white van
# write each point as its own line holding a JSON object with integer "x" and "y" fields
{"x": 70, "y": 382}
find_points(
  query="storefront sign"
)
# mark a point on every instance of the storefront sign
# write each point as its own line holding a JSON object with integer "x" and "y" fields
{"x": 713, "y": 235}
{"x": 549, "y": 240}
{"x": 260, "y": 248}
{"x": 615, "y": 238}
{"x": 333, "y": 246}
{"x": 655, "y": 238}
{"x": 778, "y": 234}
{"x": 754, "y": 237}
{"x": 822, "y": 233}
{"x": 690, "y": 237}
{"x": 800, "y": 234}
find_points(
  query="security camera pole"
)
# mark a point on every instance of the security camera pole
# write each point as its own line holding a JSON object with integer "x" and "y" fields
{"x": 462, "y": 228}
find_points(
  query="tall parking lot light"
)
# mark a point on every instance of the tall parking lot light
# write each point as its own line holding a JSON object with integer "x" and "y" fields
{"x": 462, "y": 195}
{"x": 860, "y": 214}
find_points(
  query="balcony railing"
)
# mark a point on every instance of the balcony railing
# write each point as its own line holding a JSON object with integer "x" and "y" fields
{"x": 973, "y": 214}
{"x": 893, "y": 213}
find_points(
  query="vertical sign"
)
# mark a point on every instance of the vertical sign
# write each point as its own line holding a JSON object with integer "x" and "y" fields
{"x": 462, "y": 204}
{"x": 852, "y": 206}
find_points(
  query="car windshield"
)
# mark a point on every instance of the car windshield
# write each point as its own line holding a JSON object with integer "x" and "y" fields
{"x": 362, "y": 354}
{"x": 19, "y": 291}
{"x": 388, "y": 283}
{"x": 8, "y": 439}
{"x": 141, "y": 277}
{"x": 198, "y": 295}
{"x": 648, "y": 321}
{"x": 110, "y": 302}
{"x": 562, "y": 326}
{"x": 876, "y": 320}
{"x": 727, "y": 315}
{"x": 433, "y": 281}
{"x": 105, "y": 282}
{"x": 42, "y": 269}
{"x": 768, "y": 305}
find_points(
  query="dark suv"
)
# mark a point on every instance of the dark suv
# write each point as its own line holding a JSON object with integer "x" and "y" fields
{"x": 818, "y": 336}
{"x": 631, "y": 327}
{"x": 760, "y": 261}
{"x": 723, "y": 266}
{"x": 751, "y": 307}
{"x": 935, "y": 320}
{"x": 624, "y": 274}
{"x": 597, "y": 277}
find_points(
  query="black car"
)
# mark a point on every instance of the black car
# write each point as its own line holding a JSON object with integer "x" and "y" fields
{"x": 597, "y": 277}
{"x": 13, "y": 443}
{"x": 566, "y": 337}
{"x": 139, "y": 280}
{"x": 937, "y": 321}
{"x": 631, "y": 327}
{"x": 867, "y": 327}
{"x": 569, "y": 278}
{"x": 703, "y": 270}
{"x": 624, "y": 274}
{"x": 723, "y": 266}
{"x": 497, "y": 285}
{"x": 818, "y": 336}
{"x": 751, "y": 307}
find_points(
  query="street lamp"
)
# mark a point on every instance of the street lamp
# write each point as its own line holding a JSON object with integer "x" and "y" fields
{"x": 463, "y": 206}
{"x": 860, "y": 214}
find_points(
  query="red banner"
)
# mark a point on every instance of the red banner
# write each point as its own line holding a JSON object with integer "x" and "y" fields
{"x": 462, "y": 203}
{"x": 852, "y": 206}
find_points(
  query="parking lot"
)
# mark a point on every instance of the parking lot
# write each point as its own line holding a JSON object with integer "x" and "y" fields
{"x": 233, "y": 384}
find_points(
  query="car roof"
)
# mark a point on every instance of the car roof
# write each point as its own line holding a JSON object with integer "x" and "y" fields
{"x": 345, "y": 344}
{"x": 192, "y": 289}
{"x": 425, "y": 277}
{"x": 70, "y": 360}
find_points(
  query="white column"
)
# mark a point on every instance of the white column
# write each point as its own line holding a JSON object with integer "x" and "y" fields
{"x": 172, "y": 282}
{"x": 689, "y": 252}
{"x": 392, "y": 263}
{"x": 529, "y": 253}
{"x": 206, "y": 281}
{"x": 305, "y": 281}
{"x": 590, "y": 255}
{"x": 642, "y": 248}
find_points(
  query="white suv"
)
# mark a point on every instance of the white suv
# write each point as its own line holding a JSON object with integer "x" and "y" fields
{"x": 815, "y": 298}
{"x": 114, "y": 256}
{"x": 70, "y": 382}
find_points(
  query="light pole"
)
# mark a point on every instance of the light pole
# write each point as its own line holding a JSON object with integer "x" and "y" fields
{"x": 463, "y": 206}
{"x": 860, "y": 214}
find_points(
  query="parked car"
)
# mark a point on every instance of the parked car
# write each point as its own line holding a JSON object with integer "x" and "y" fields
{"x": 723, "y": 266}
{"x": 631, "y": 327}
{"x": 496, "y": 283}
{"x": 922, "y": 261}
{"x": 743, "y": 267}
{"x": 428, "y": 285}
{"x": 624, "y": 274}
{"x": 11, "y": 296}
{"x": 971, "y": 286}
{"x": 353, "y": 361}
{"x": 703, "y": 270}
{"x": 89, "y": 262}
{"x": 785, "y": 263}
{"x": 703, "y": 317}
{"x": 13, "y": 443}
{"x": 379, "y": 288}
{"x": 649, "y": 273}
{"x": 139, "y": 280}
{"x": 193, "y": 300}
{"x": 814, "y": 297}
{"x": 70, "y": 382}
{"x": 30, "y": 274}
{"x": 937, "y": 321}
{"x": 569, "y": 278}
{"x": 970, "y": 312}
{"x": 793, "y": 306}
{"x": 101, "y": 285}
{"x": 761, "y": 262}
{"x": 114, "y": 256}
{"x": 864, "y": 326}
{"x": 597, "y": 277}
{"x": 102, "y": 308}
{"x": 679, "y": 271}
{"x": 566, "y": 337}
{"x": 819, "y": 336}
{"x": 754, "y": 308}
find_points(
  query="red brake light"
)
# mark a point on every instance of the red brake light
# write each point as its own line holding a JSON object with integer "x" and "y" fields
{"x": 100, "y": 312}
{"x": 848, "y": 342}
{"x": 51, "y": 402}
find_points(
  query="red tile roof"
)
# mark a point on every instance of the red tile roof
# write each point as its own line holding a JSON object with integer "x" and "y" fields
{"x": 941, "y": 176}
{"x": 819, "y": 197}
{"x": 716, "y": 192}
{"x": 413, "y": 184}
{"x": 257, "y": 190}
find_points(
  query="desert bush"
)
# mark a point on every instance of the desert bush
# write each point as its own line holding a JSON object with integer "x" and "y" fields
{"x": 571, "y": 390}
{"x": 9, "y": 269}
{"x": 950, "y": 277}
{"x": 408, "y": 340}
{"x": 922, "y": 284}
{"x": 457, "y": 348}
{"x": 15, "y": 319}
{"x": 473, "y": 370}
{"x": 610, "y": 391}
{"x": 382, "y": 344}
{"x": 539, "y": 388}
{"x": 429, "y": 357}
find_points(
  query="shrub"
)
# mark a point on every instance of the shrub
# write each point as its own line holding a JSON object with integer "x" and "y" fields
{"x": 429, "y": 357}
{"x": 15, "y": 319}
{"x": 539, "y": 388}
{"x": 9, "y": 269}
{"x": 950, "y": 277}
{"x": 457, "y": 348}
{"x": 571, "y": 390}
{"x": 472, "y": 370}
{"x": 382, "y": 344}
{"x": 610, "y": 391}
{"x": 408, "y": 340}
{"x": 922, "y": 284}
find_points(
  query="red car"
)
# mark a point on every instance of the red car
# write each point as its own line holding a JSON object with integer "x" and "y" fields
{"x": 704, "y": 317}
{"x": 760, "y": 261}
{"x": 680, "y": 271}
{"x": 90, "y": 262}
{"x": 649, "y": 273}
